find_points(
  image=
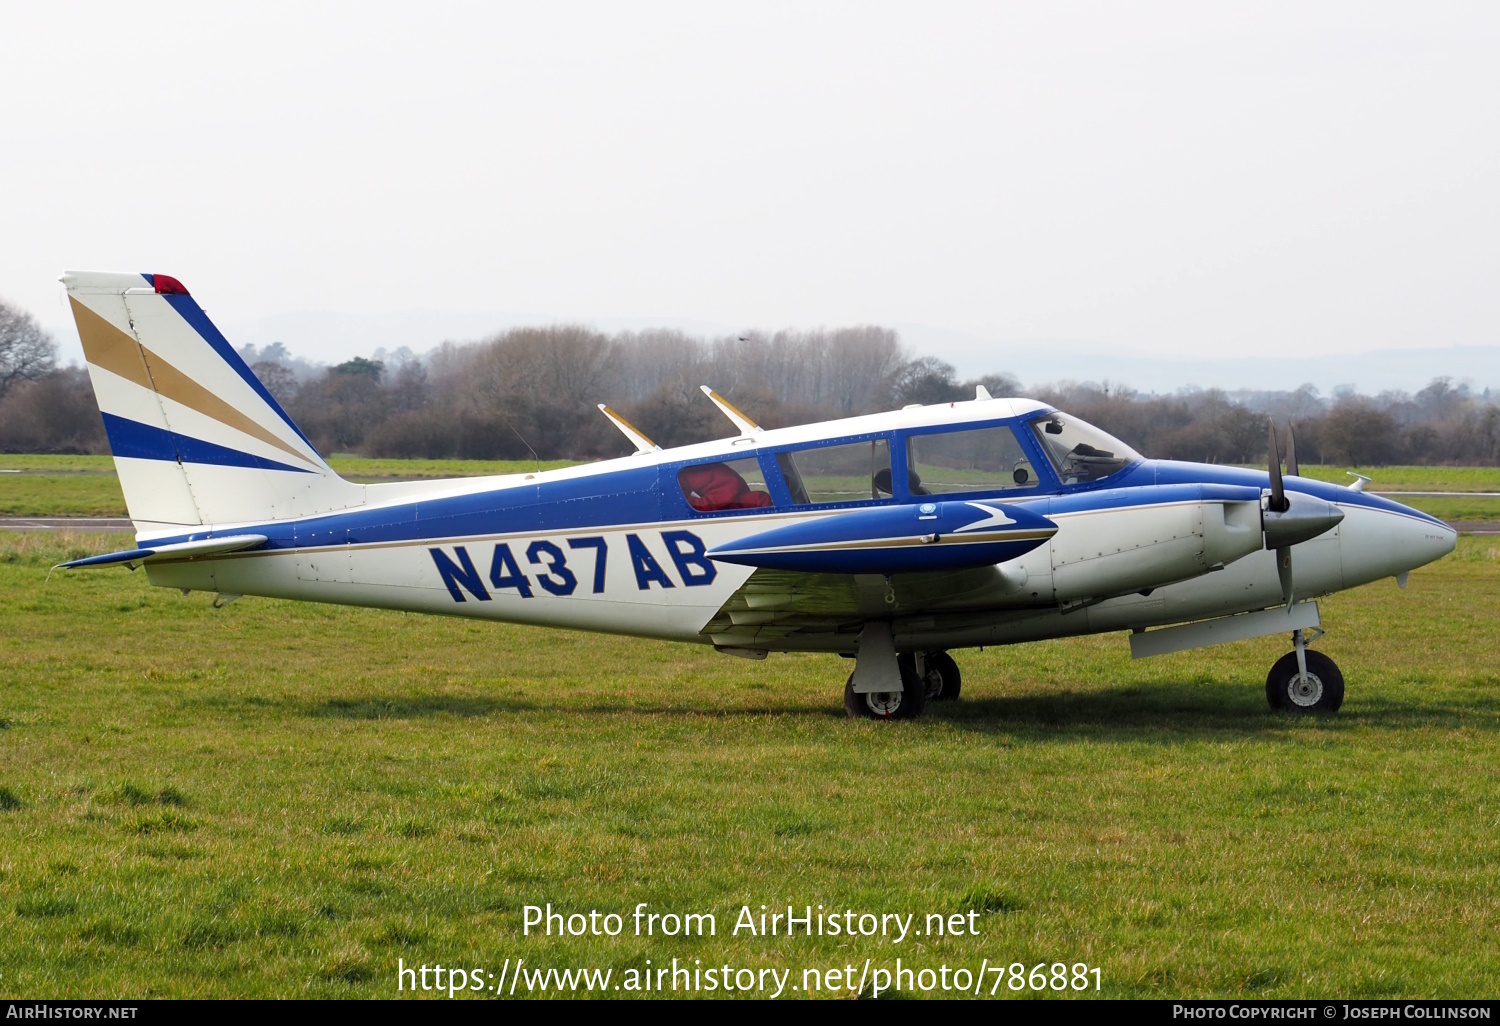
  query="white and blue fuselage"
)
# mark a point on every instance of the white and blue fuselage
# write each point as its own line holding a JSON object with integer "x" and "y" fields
{"x": 616, "y": 547}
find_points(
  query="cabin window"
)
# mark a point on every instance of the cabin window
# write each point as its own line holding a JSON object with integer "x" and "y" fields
{"x": 858, "y": 471}
{"x": 978, "y": 460}
{"x": 727, "y": 484}
{"x": 1080, "y": 451}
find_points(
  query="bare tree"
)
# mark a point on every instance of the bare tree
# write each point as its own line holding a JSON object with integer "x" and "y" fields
{"x": 54, "y": 413}
{"x": 26, "y": 351}
{"x": 926, "y": 380}
{"x": 1358, "y": 432}
{"x": 278, "y": 379}
{"x": 650, "y": 359}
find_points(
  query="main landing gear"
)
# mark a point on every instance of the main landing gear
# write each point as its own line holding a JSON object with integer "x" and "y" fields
{"x": 925, "y": 677}
{"x": 1304, "y": 681}
{"x": 940, "y": 677}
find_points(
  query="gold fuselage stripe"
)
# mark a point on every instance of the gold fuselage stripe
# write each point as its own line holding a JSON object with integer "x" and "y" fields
{"x": 882, "y": 543}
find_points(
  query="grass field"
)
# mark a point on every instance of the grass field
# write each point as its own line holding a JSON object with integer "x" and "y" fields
{"x": 1413, "y": 479}
{"x": 284, "y": 799}
{"x": 87, "y": 486}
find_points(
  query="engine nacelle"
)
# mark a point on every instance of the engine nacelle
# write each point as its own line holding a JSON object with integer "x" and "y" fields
{"x": 1177, "y": 532}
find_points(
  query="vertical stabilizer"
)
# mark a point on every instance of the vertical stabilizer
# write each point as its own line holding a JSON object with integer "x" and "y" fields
{"x": 197, "y": 439}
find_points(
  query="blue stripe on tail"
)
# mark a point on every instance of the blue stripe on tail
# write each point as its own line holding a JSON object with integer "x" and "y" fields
{"x": 133, "y": 440}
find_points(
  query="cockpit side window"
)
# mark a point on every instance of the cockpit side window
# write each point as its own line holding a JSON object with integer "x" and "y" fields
{"x": 852, "y": 472}
{"x": 1079, "y": 451}
{"x": 983, "y": 459}
{"x": 724, "y": 485}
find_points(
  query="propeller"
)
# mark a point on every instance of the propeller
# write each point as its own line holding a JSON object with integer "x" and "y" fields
{"x": 1285, "y": 526}
{"x": 1279, "y": 503}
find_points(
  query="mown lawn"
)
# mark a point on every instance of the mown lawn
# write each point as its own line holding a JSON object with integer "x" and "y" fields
{"x": 86, "y": 486}
{"x": 87, "y": 493}
{"x": 1413, "y": 479}
{"x": 283, "y": 799}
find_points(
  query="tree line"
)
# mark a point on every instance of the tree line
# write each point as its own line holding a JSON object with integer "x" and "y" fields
{"x": 532, "y": 391}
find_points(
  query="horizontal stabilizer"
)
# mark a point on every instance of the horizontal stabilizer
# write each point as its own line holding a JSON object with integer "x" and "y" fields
{"x": 179, "y": 550}
{"x": 895, "y": 539}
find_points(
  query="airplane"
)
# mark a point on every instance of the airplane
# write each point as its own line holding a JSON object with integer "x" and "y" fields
{"x": 892, "y": 539}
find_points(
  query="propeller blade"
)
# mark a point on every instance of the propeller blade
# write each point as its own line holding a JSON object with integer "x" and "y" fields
{"x": 1291, "y": 450}
{"x": 1278, "y": 502}
{"x": 1284, "y": 571}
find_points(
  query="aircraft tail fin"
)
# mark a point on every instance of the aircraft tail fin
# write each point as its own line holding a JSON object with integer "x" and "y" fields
{"x": 197, "y": 438}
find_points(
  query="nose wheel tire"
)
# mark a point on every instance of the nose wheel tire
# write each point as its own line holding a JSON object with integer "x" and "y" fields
{"x": 1321, "y": 692}
{"x": 906, "y": 704}
{"x": 941, "y": 677}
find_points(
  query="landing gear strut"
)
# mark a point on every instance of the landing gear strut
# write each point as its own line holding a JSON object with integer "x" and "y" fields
{"x": 1304, "y": 681}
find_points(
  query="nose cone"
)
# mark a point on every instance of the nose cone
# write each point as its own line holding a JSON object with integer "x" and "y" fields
{"x": 1390, "y": 539}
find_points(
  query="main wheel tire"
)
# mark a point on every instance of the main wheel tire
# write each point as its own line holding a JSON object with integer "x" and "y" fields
{"x": 906, "y": 704}
{"x": 1323, "y": 692}
{"x": 940, "y": 675}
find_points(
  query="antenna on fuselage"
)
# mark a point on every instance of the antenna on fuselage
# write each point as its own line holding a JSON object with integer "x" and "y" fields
{"x": 630, "y": 431}
{"x": 506, "y": 421}
{"x": 981, "y": 393}
{"x": 747, "y": 426}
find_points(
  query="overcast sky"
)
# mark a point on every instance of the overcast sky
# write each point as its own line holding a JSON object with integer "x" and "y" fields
{"x": 1293, "y": 179}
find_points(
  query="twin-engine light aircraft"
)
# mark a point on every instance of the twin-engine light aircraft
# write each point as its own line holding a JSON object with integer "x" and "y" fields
{"x": 892, "y": 538}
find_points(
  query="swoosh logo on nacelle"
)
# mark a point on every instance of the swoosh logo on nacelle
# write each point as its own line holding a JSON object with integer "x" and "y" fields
{"x": 996, "y": 518}
{"x": 891, "y": 539}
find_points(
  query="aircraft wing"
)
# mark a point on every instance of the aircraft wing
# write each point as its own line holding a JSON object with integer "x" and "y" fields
{"x": 776, "y": 604}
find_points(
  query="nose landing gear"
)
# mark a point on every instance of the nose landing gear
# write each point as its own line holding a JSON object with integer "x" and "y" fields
{"x": 1304, "y": 681}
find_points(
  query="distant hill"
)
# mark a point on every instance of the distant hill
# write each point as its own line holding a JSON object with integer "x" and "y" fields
{"x": 1038, "y": 361}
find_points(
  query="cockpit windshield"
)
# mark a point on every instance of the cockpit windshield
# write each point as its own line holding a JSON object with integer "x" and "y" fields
{"x": 1080, "y": 451}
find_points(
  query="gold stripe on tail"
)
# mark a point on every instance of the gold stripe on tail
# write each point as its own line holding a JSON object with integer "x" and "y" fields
{"x": 106, "y": 346}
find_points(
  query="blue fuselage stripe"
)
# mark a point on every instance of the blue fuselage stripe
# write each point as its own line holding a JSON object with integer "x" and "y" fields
{"x": 649, "y": 496}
